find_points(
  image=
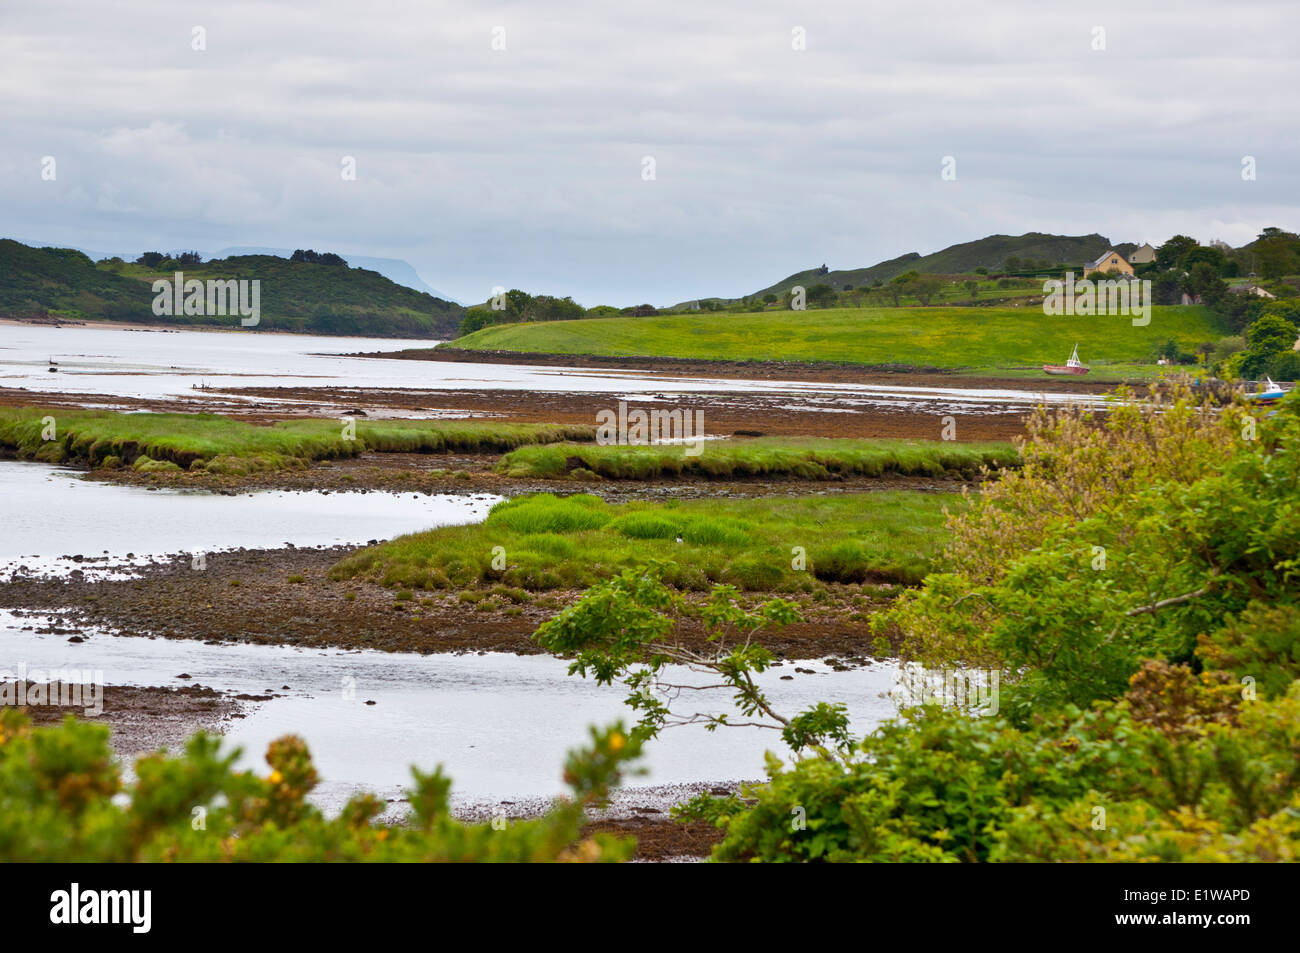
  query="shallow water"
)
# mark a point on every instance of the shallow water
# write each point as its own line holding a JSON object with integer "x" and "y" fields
{"x": 48, "y": 515}
{"x": 500, "y": 724}
{"x": 151, "y": 364}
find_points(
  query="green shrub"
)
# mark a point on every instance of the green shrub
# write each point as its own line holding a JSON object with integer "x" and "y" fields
{"x": 1263, "y": 643}
{"x": 935, "y": 785}
{"x": 1118, "y": 541}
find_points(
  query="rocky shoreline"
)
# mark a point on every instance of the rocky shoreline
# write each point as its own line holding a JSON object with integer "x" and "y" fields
{"x": 285, "y": 597}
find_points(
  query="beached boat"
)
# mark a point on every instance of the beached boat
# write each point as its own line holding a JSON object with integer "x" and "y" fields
{"x": 1072, "y": 366}
{"x": 1268, "y": 393}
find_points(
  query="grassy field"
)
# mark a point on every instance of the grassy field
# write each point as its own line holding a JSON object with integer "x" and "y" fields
{"x": 937, "y": 337}
{"x": 805, "y": 458}
{"x": 548, "y": 542}
{"x": 222, "y": 445}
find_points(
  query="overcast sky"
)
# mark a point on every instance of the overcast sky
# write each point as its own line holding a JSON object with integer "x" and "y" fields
{"x": 524, "y": 167}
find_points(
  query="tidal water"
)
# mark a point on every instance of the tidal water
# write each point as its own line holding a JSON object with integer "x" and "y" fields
{"x": 155, "y": 364}
{"x": 48, "y": 515}
{"x": 500, "y": 724}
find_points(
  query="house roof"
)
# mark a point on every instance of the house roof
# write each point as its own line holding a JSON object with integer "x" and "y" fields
{"x": 1109, "y": 252}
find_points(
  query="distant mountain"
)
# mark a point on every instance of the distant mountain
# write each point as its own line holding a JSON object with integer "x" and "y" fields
{"x": 394, "y": 269}
{"x": 991, "y": 253}
{"x": 295, "y": 296}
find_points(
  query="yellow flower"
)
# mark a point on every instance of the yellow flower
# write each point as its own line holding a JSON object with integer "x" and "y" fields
{"x": 276, "y": 777}
{"x": 616, "y": 742}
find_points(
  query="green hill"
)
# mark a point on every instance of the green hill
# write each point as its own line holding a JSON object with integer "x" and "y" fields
{"x": 295, "y": 296}
{"x": 919, "y": 337}
{"x": 991, "y": 252}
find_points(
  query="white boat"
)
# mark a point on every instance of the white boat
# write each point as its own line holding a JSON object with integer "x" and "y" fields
{"x": 1072, "y": 366}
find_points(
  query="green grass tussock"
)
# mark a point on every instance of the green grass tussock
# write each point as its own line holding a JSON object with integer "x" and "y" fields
{"x": 550, "y": 542}
{"x": 804, "y": 458}
{"x": 223, "y": 445}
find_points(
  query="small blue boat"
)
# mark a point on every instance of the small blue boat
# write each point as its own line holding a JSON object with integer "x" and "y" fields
{"x": 1269, "y": 393}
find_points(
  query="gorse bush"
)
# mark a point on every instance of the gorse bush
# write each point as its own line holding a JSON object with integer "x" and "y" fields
{"x": 60, "y": 788}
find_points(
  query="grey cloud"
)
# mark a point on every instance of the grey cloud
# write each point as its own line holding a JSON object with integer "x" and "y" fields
{"x": 523, "y": 167}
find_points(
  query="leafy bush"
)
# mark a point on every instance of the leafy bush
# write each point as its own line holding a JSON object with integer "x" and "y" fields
{"x": 1150, "y": 708}
{"x": 938, "y": 786}
{"x": 623, "y": 630}
{"x": 1119, "y": 540}
{"x": 1263, "y": 643}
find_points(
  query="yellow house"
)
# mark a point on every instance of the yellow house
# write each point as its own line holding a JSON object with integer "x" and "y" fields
{"x": 1111, "y": 261}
